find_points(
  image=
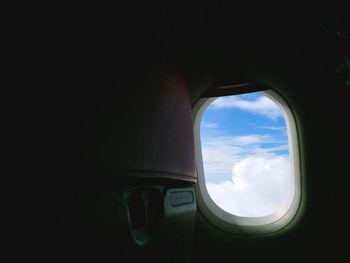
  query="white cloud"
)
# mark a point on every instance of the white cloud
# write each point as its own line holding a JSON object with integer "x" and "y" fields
{"x": 219, "y": 157}
{"x": 210, "y": 125}
{"x": 282, "y": 129}
{"x": 221, "y": 153}
{"x": 260, "y": 185}
{"x": 252, "y": 139}
{"x": 262, "y": 105}
{"x": 274, "y": 128}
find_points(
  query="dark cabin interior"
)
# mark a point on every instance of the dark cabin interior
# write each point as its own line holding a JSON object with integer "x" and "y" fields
{"x": 136, "y": 147}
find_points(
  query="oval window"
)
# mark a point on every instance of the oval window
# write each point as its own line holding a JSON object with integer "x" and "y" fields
{"x": 246, "y": 161}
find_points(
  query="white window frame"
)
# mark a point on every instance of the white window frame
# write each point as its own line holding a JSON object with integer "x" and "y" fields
{"x": 250, "y": 225}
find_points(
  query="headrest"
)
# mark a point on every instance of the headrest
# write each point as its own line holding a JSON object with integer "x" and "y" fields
{"x": 140, "y": 127}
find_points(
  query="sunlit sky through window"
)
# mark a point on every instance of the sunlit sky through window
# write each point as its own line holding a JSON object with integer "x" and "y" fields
{"x": 245, "y": 154}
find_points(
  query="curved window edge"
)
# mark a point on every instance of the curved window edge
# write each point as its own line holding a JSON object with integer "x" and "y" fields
{"x": 251, "y": 225}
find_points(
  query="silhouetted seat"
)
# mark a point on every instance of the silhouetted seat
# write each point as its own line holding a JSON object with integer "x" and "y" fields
{"x": 138, "y": 169}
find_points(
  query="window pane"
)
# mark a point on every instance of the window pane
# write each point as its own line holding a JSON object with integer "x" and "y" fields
{"x": 245, "y": 153}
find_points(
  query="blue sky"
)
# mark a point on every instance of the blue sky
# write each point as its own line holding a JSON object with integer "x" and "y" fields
{"x": 245, "y": 154}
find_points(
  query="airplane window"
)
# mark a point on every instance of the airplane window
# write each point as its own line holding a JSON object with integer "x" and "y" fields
{"x": 247, "y": 163}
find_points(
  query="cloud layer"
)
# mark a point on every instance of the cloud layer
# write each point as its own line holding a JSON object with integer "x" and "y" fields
{"x": 261, "y": 105}
{"x": 259, "y": 186}
{"x": 222, "y": 152}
